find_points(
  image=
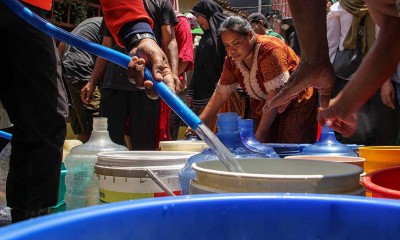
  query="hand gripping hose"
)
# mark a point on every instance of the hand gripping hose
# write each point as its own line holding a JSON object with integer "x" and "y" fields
{"x": 176, "y": 104}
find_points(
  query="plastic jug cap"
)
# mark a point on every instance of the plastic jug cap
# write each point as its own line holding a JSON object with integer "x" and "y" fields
{"x": 246, "y": 123}
{"x": 227, "y": 122}
{"x": 100, "y": 124}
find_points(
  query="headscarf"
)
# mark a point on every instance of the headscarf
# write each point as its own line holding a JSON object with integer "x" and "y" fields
{"x": 359, "y": 10}
{"x": 209, "y": 56}
{"x": 214, "y": 15}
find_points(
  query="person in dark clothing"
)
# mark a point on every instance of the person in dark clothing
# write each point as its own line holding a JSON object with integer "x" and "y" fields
{"x": 78, "y": 66}
{"x": 122, "y": 102}
{"x": 316, "y": 70}
{"x": 294, "y": 43}
{"x": 33, "y": 94}
{"x": 209, "y": 56}
{"x": 208, "y": 63}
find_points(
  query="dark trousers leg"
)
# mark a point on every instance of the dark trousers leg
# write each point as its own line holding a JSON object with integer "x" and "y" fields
{"x": 113, "y": 106}
{"x": 175, "y": 123}
{"x": 144, "y": 114}
{"x": 33, "y": 94}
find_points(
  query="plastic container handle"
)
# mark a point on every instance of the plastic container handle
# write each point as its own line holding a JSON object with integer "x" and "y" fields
{"x": 176, "y": 104}
{"x": 159, "y": 183}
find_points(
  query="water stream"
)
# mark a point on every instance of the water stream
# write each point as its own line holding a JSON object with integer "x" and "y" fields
{"x": 219, "y": 148}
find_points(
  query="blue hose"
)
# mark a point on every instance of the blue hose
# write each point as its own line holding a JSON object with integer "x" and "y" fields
{"x": 5, "y": 135}
{"x": 176, "y": 104}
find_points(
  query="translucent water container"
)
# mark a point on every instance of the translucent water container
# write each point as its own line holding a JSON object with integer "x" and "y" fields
{"x": 82, "y": 185}
{"x": 327, "y": 145}
{"x": 246, "y": 129}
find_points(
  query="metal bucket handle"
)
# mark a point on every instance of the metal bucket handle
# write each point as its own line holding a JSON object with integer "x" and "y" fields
{"x": 153, "y": 176}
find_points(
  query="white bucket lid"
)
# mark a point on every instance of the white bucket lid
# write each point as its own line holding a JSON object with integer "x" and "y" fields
{"x": 184, "y": 145}
{"x": 280, "y": 175}
{"x": 142, "y": 158}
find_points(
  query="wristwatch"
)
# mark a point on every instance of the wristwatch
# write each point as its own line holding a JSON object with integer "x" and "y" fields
{"x": 138, "y": 37}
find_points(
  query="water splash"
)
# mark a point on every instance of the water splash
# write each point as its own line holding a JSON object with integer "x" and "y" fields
{"x": 219, "y": 148}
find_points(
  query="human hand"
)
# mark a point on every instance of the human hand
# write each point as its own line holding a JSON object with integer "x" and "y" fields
{"x": 147, "y": 52}
{"x": 338, "y": 119}
{"x": 260, "y": 136}
{"x": 189, "y": 132}
{"x": 183, "y": 82}
{"x": 388, "y": 94}
{"x": 320, "y": 76}
{"x": 189, "y": 101}
{"x": 178, "y": 85}
{"x": 87, "y": 92}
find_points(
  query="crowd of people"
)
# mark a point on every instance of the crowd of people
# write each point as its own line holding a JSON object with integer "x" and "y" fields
{"x": 239, "y": 65}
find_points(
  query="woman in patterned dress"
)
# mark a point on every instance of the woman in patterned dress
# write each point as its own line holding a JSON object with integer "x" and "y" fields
{"x": 261, "y": 65}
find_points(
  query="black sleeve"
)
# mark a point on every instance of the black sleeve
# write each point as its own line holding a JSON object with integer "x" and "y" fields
{"x": 168, "y": 15}
{"x": 104, "y": 30}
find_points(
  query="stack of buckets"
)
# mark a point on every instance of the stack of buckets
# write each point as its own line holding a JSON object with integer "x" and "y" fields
{"x": 383, "y": 171}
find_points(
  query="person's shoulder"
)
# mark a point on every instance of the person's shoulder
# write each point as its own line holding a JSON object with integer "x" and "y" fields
{"x": 270, "y": 45}
{"x": 269, "y": 41}
{"x": 92, "y": 20}
{"x": 182, "y": 19}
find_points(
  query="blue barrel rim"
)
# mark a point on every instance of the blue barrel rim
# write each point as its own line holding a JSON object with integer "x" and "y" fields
{"x": 58, "y": 219}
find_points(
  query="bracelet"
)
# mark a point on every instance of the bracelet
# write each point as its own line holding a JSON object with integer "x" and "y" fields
{"x": 139, "y": 37}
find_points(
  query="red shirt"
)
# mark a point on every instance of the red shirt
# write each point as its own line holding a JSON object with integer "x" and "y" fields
{"x": 118, "y": 12}
{"x": 184, "y": 40}
{"x": 44, "y": 4}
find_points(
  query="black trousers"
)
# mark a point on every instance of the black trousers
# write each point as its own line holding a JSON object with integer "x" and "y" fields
{"x": 33, "y": 94}
{"x": 143, "y": 114}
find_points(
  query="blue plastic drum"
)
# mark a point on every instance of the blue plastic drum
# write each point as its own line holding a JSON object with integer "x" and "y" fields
{"x": 222, "y": 216}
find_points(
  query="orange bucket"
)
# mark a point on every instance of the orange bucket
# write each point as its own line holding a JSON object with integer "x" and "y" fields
{"x": 384, "y": 183}
{"x": 379, "y": 157}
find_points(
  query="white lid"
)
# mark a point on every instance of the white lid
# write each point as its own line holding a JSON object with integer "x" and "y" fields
{"x": 184, "y": 145}
{"x": 142, "y": 158}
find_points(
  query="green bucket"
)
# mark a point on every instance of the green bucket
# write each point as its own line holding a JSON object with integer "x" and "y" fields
{"x": 60, "y": 206}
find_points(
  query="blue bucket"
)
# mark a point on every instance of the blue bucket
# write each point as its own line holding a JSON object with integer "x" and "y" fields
{"x": 222, "y": 216}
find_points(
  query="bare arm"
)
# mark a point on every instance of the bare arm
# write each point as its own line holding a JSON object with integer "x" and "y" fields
{"x": 266, "y": 120}
{"x": 388, "y": 94}
{"x": 315, "y": 69}
{"x": 171, "y": 50}
{"x": 216, "y": 101}
{"x": 377, "y": 66}
{"x": 61, "y": 48}
{"x": 182, "y": 66}
{"x": 100, "y": 67}
{"x": 310, "y": 23}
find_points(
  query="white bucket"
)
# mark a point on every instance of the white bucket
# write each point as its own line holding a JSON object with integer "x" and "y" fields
{"x": 278, "y": 175}
{"x": 127, "y": 175}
